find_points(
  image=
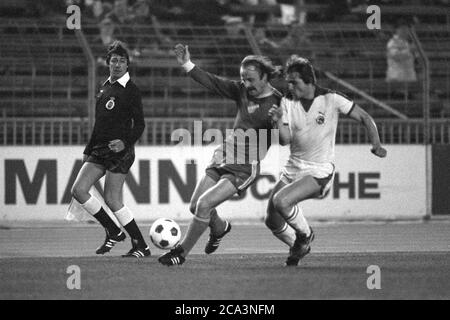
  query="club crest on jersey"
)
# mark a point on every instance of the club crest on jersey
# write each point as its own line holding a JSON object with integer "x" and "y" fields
{"x": 252, "y": 108}
{"x": 320, "y": 118}
{"x": 110, "y": 104}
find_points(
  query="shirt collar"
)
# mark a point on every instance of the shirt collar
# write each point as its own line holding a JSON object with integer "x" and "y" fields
{"x": 122, "y": 80}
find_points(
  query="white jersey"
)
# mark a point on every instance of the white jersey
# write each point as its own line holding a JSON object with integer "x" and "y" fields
{"x": 313, "y": 132}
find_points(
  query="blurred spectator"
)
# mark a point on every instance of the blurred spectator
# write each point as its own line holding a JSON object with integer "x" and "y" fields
{"x": 97, "y": 8}
{"x": 401, "y": 56}
{"x": 120, "y": 11}
{"x": 106, "y": 24}
{"x": 293, "y": 12}
{"x": 107, "y": 31}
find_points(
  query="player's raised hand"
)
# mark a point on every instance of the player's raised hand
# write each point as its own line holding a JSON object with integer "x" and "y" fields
{"x": 379, "y": 151}
{"x": 182, "y": 53}
{"x": 276, "y": 113}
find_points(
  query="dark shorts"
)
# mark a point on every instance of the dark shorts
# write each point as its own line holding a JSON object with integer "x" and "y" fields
{"x": 119, "y": 162}
{"x": 241, "y": 176}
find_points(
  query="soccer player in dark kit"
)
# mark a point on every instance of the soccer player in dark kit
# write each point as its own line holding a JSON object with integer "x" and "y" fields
{"x": 119, "y": 122}
{"x": 234, "y": 166}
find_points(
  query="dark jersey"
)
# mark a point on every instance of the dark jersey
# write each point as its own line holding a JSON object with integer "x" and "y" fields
{"x": 251, "y": 135}
{"x": 118, "y": 115}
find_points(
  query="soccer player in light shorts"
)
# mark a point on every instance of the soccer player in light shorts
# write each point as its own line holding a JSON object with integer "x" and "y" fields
{"x": 119, "y": 122}
{"x": 234, "y": 166}
{"x": 307, "y": 119}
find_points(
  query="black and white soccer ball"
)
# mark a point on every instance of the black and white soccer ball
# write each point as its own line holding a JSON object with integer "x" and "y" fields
{"x": 165, "y": 233}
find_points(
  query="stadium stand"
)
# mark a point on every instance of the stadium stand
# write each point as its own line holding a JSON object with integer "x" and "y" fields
{"x": 44, "y": 71}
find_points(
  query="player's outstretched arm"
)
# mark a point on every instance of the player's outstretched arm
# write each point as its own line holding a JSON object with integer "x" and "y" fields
{"x": 363, "y": 117}
{"x": 224, "y": 87}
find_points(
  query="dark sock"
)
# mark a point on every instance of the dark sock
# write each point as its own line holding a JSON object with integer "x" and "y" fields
{"x": 107, "y": 223}
{"x": 135, "y": 234}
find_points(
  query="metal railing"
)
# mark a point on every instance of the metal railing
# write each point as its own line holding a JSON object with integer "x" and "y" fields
{"x": 158, "y": 131}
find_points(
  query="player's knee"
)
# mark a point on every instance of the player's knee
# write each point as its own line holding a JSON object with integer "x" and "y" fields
{"x": 280, "y": 204}
{"x": 203, "y": 208}
{"x": 78, "y": 191}
{"x": 268, "y": 221}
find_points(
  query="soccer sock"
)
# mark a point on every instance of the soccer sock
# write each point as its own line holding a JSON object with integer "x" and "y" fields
{"x": 297, "y": 221}
{"x": 135, "y": 234}
{"x": 195, "y": 231}
{"x": 126, "y": 219}
{"x": 217, "y": 224}
{"x": 94, "y": 207}
{"x": 286, "y": 234}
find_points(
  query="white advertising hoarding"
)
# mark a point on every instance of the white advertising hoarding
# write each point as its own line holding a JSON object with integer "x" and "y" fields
{"x": 35, "y": 183}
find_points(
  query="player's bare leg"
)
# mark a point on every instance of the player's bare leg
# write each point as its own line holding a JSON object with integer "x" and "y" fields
{"x": 286, "y": 199}
{"x": 88, "y": 175}
{"x": 216, "y": 224}
{"x": 114, "y": 199}
{"x": 275, "y": 221}
{"x": 213, "y": 197}
{"x": 219, "y": 227}
{"x": 285, "y": 202}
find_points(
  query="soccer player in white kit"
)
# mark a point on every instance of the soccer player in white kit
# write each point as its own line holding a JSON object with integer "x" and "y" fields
{"x": 307, "y": 119}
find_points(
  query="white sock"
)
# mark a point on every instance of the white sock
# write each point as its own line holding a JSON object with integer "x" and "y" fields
{"x": 286, "y": 234}
{"x": 124, "y": 215}
{"x": 92, "y": 206}
{"x": 298, "y": 222}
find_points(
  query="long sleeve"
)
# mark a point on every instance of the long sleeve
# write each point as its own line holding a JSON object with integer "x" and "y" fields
{"x": 138, "y": 118}
{"x": 226, "y": 88}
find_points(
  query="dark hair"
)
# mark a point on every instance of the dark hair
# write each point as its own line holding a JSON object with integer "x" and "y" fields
{"x": 263, "y": 64}
{"x": 119, "y": 48}
{"x": 304, "y": 68}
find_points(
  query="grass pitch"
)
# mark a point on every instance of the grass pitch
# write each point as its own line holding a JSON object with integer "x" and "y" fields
{"x": 247, "y": 266}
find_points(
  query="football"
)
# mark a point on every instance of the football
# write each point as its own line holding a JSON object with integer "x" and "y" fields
{"x": 165, "y": 233}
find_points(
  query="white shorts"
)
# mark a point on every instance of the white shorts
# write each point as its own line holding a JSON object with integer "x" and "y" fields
{"x": 295, "y": 170}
